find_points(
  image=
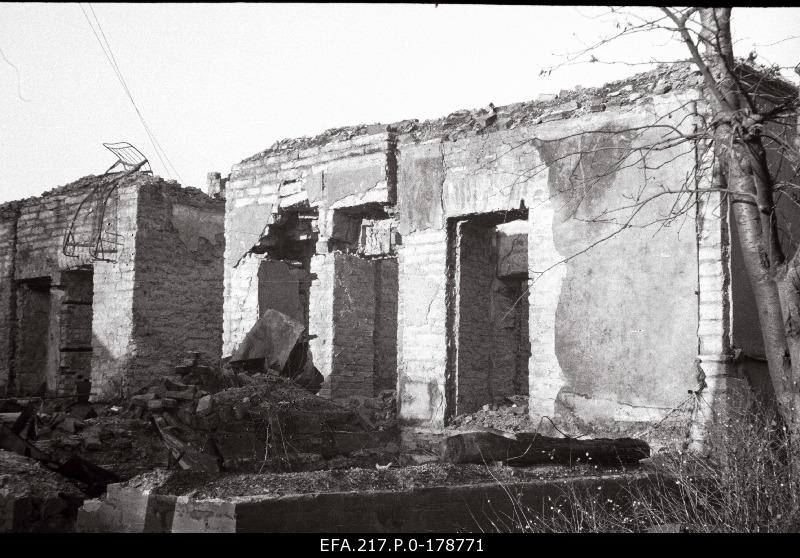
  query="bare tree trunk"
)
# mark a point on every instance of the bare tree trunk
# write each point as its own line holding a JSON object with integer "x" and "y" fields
{"x": 769, "y": 302}
{"x": 741, "y": 166}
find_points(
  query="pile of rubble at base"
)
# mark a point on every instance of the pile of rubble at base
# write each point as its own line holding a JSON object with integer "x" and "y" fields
{"x": 508, "y": 413}
{"x": 101, "y": 433}
{"x": 213, "y": 421}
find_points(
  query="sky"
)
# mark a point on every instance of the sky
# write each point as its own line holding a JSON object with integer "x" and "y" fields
{"x": 219, "y": 82}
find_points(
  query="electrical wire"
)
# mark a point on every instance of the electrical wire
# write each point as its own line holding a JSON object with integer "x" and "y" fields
{"x": 109, "y": 54}
{"x": 130, "y": 96}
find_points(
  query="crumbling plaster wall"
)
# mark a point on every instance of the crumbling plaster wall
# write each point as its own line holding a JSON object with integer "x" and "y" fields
{"x": 614, "y": 330}
{"x": 349, "y": 168}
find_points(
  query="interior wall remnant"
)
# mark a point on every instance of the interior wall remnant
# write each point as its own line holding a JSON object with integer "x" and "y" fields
{"x": 33, "y": 335}
{"x": 363, "y": 353}
{"x": 512, "y": 345}
{"x": 511, "y": 342}
{"x": 279, "y": 288}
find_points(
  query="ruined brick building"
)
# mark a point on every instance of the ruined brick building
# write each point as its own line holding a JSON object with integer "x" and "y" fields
{"x": 107, "y": 282}
{"x": 414, "y": 254}
{"x": 457, "y": 260}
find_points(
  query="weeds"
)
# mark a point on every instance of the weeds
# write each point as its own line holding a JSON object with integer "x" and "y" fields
{"x": 747, "y": 483}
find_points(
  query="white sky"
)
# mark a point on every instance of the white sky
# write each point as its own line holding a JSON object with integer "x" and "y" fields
{"x": 220, "y": 82}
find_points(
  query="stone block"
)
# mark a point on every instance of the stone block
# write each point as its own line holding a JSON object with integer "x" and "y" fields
{"x": 205, "y": 406}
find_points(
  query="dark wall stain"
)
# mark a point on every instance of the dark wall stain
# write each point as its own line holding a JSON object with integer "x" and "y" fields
{"x": 626, "y": 321}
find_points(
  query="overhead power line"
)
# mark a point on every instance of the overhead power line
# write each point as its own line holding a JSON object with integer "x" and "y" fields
{"x": 112, "y": 60}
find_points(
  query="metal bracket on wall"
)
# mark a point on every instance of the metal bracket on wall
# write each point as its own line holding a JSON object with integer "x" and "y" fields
{"x": 92, "y": 230}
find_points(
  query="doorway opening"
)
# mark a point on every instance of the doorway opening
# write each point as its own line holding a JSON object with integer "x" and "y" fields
{"x": 487, "y": 301}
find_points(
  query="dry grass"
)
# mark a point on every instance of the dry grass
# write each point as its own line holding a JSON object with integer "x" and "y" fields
{"x": 748, "y": 483}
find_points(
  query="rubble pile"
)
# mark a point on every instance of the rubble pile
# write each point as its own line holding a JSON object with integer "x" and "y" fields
{"x": 566, "y": 104}
{"x": 307, "y": 142}
{"x": 64, "y": 428}
{"x": 222, "y": 420}
{"x": 120, "y": 443}
{"x": 379, "y": 413}
{"x": 509, "y": 413}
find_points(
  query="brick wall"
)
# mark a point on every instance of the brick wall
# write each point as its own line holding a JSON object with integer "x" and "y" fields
{"x": 33, "y": 348}
{"x": 126, "y": 319}
{"x": 475, "y": 273}
{"x": 503, "y": 170}
{"x": 8, "y": 296}
{"x": 75, "y": 331}
{"x": 44, "y": 220}
{"x": 240, "y": 305}
{"x": 177, "y": 296}
{"x": 353, "y": 326}
{"x": 112, "y": 304}
{"x": 385, "y": 323}
{"x": 490, "y": 318}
